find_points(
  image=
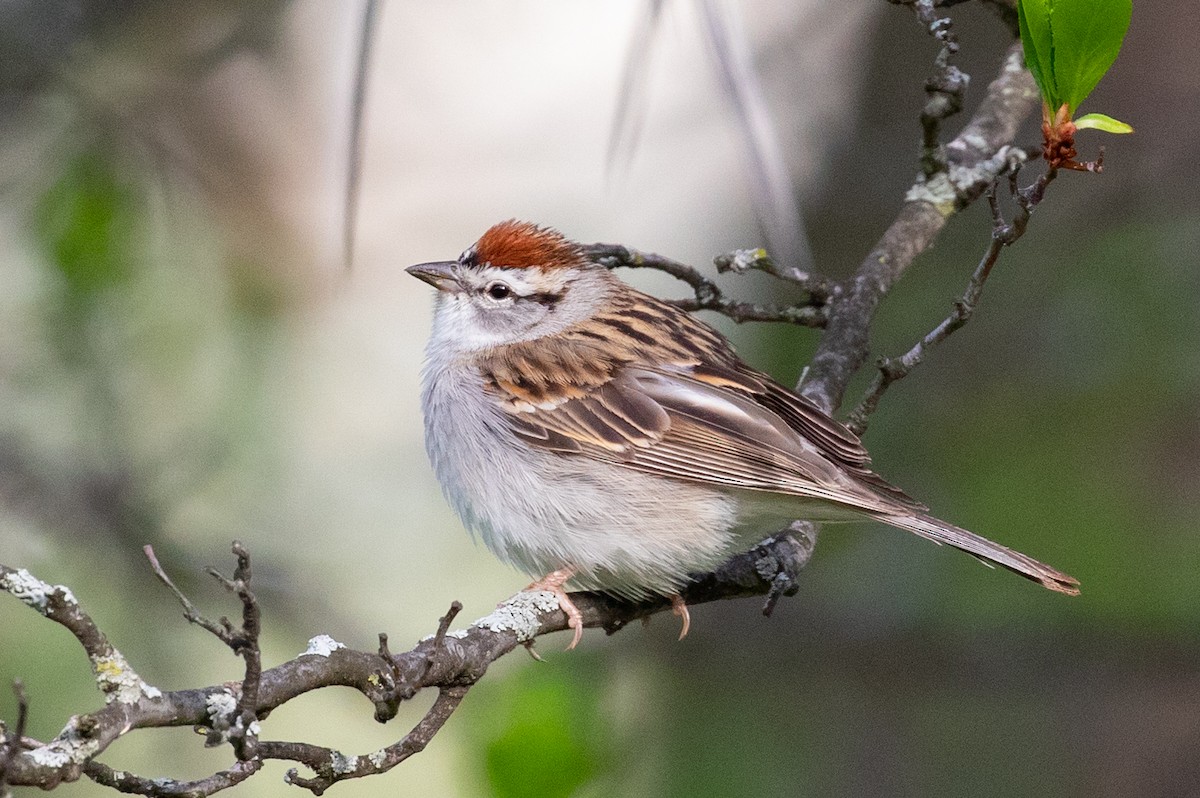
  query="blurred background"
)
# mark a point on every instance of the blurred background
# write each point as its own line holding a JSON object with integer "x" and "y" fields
{"x": 185, "y": 359}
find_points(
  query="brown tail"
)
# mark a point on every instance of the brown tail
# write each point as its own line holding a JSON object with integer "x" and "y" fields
{"x": 940, "y": 532}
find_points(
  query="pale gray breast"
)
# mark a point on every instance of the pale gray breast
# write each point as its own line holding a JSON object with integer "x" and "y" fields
{"x": 542, "y": 510}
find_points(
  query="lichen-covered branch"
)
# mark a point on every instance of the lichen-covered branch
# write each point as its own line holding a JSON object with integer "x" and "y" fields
{"x": 450, "y": 662}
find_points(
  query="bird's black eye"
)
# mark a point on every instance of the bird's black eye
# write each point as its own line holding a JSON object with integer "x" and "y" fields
{"x": 499, "y": 291}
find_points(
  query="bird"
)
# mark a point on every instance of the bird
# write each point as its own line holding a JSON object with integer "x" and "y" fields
{"x": 593, "y": 435}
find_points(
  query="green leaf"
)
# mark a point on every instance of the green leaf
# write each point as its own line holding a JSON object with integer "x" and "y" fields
{"x": 1070, "y": 44}
{"x": 1036, "y": 39}
{"x": 1102, "y": 122}
{"x": 1086, "y": 37}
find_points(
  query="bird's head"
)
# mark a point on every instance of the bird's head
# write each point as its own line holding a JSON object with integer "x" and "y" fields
{"x": 518, "y": 282}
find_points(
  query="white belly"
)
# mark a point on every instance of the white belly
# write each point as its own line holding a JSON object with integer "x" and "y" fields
{"x": 623, "y": 531}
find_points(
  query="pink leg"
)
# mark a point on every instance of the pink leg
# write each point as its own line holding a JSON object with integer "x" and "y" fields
{"x": 553, "y": 583}
{"x": 680, "y": 609}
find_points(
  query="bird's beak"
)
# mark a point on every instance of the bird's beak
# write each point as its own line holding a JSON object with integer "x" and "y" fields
{"x": 439, "y": 274}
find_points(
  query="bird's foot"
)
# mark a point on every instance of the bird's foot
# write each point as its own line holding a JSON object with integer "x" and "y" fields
{"x": 680, "y": 609}
{"x": 553, "y": 583}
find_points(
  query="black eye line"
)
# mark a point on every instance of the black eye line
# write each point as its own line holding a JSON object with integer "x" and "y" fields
{"x": 546, "y": 298}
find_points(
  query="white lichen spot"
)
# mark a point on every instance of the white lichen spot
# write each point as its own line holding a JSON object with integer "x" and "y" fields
{"x": 33, "y": 591}
{"x": 938, "y": 191}
{"x": 378, "y": 759}
{"x": 220, "y": 708}
{"x": 342, "y": 764}
{"x": 68, "y": 748}
{"x": 520, "y": 614}
{"x": 50, "y": 755}
{"x": 322, "y": 646}
{"x": 119, "y": 682}
{"x": 255, "y": 728}
{"x": 744, "y": 259}
{"x": 457, "y": 634}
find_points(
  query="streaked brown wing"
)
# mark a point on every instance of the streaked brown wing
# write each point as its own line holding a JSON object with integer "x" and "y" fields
{"x": 682, "y": 406}
{"x": 673, "y": 425}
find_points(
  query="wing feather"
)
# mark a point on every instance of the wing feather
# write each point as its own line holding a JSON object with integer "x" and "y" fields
{"x": 682, "y": 406}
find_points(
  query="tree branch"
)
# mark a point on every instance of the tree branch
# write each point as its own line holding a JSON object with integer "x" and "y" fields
{"x": 450, "y": 661}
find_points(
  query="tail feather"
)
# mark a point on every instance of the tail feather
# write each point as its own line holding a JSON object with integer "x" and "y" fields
{"x": 991, "y": 553}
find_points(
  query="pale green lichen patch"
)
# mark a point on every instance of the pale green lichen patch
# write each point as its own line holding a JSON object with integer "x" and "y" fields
{"x": 220, "y": 708}
{"x": 939, "y": 191}
{"x": 457, "y": 634}
{"x": 520, "y": 614}
{"x": 322, "y": 646}
{"x": 744, "y": 260}
{"x": 33, "y": 591}
{"x": 378, "y": 758}
{"x": 342, "y": 764}
{"x": 68, "y": 748}
{"x": 119, "y": 682}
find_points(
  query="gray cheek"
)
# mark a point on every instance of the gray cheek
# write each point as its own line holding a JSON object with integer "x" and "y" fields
{"x": 510, "y": 321}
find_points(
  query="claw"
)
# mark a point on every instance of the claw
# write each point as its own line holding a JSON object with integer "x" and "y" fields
{"x": 532, "y": 651}
{"x": 553, "y": 583}
{"x": 680, "y": 608}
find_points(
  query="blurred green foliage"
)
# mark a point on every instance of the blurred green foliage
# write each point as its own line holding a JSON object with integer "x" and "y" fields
{"x": 543, "y": 732}
{"x": 85, "y": 224}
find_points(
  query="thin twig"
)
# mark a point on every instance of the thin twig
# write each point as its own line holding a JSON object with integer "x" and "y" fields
{"x": 243, "y": 641}
{"x": 358, "y": 106}
{"x": 944, "y": 90}
{"x": 708, "y": 295}
{"x": 331, "y": 766}
{"x": 126, "y": 782}
{"x": 10, "y": 741}
{"x": 892, "y": 369}
{"x": 190, "y": 612}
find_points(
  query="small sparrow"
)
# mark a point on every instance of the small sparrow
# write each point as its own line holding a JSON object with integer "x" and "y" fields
{"x": 593, "y": 434}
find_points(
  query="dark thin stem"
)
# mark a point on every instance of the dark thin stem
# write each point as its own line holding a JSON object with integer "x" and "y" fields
{"x": 126, "y": 782}
{"x": 944, "y": 90}
{"x": 357, "y": 118}
{"x": 10, "y": 741}
{"x": 190, "y": 612}
{"x": 242, "y": 641}
{"x": 893, "y": 369}
{"x": 330, "y": 766}
{"x": 709, "y": 296}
